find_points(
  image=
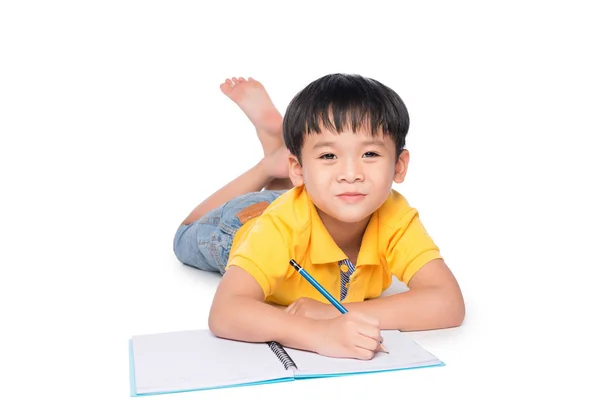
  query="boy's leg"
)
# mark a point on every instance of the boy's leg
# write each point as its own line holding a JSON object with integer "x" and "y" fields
{"x": 271, "y": 172}
{"x": 251, "y": 96}
{"x": 206, "y": 242}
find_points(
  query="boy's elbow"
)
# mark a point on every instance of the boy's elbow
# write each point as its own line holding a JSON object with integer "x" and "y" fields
{"x": 214, "y": 325}
{"x": 456, "y": 319}
{"x": 454, "y": 312}
{"x": 217, "y": 323}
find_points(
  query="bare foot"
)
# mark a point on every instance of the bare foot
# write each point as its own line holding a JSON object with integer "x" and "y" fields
{"x": 251, "y": 96}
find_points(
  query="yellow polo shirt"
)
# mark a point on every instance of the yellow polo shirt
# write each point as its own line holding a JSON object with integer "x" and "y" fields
{"x": 394, "y": 243}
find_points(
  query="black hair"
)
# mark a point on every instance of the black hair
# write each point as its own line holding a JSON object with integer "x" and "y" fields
{"x": 338, "y": 102}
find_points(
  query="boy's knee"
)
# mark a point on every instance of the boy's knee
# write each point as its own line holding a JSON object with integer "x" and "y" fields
{"x": 182, "y": 245}
{"x": 191, "y": 248}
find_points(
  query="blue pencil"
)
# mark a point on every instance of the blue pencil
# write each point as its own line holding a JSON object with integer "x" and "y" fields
{"x": 324, "y": 292}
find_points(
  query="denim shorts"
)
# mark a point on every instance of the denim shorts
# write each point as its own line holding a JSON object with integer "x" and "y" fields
{"x": 206, "y": 242}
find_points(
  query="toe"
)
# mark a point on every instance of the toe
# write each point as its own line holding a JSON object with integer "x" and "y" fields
{"x": 226, "y": 87}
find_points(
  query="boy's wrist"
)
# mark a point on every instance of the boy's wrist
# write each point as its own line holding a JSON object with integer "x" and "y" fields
{"x": 314, "y": 334}
{"x": 301, "y": 332}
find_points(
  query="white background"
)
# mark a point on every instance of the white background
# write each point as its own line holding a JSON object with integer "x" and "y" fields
{"x": 113, "y": 128}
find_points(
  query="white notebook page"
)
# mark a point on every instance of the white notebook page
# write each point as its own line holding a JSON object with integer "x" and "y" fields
{"x": 404, "y": 353}
{"x": 189, "y": 360}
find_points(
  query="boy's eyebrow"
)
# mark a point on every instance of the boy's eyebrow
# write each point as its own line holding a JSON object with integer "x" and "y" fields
{"x": 322, "y": 144}
{"x": 375, "y": 142}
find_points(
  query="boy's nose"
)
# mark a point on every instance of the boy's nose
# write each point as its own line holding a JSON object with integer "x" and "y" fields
{"x": 351, "y": 172}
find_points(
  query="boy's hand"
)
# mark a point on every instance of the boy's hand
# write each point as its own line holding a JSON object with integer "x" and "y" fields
{"x": 309, "y": 308}
{"x": 351, "y": 335}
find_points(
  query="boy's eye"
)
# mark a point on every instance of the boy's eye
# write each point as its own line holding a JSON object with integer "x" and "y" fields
{"x": 327, "y": 156}
{"x": 371, "y": 154}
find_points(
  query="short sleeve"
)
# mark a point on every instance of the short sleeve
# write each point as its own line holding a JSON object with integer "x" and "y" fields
{"x": 410, "y": 247}
{"x": 264, "y": 252}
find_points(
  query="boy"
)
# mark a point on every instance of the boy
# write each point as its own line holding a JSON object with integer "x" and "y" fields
{"x": 328, "y": 203}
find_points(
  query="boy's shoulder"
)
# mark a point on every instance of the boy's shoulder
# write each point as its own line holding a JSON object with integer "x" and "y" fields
{"x": 395, "y": 205}
{"x": 395, "y": 212}
{"x": 292, "y": 208}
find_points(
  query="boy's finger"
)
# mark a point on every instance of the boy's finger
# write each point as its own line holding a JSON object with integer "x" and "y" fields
{"x": 370, "y": 331}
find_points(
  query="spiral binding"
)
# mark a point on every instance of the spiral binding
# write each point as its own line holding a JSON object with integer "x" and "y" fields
{"x": 282, "y": 355}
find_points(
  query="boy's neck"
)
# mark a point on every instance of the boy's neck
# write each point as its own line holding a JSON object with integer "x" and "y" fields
{"x": 348, "y": 236}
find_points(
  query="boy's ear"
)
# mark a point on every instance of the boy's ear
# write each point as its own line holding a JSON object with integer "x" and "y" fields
{"x": 401, "y": 166}
{"x": 296, "y": 175}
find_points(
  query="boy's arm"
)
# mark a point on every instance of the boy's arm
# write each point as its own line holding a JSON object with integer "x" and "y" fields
{"x": 434, "y": 301}
{"x": 238, "y": 312}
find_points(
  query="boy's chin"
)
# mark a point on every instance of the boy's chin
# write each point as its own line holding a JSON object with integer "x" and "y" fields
{"x": 348, "y": 217}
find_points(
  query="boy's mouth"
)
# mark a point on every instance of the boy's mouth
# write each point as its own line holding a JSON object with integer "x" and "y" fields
{"x": 351, "y": 197}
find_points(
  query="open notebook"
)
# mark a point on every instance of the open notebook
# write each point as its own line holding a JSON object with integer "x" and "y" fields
{"x": 196, "y": 360}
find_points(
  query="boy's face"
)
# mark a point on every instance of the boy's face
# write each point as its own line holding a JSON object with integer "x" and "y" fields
{"x": 348, "y": 175}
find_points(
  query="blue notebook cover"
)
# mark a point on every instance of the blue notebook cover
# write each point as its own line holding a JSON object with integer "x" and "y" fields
{"x": 132, "y": 386}
{"x": 197, "y": 360}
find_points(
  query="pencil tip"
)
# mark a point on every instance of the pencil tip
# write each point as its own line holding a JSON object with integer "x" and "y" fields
{"x": 382, "y": 347}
